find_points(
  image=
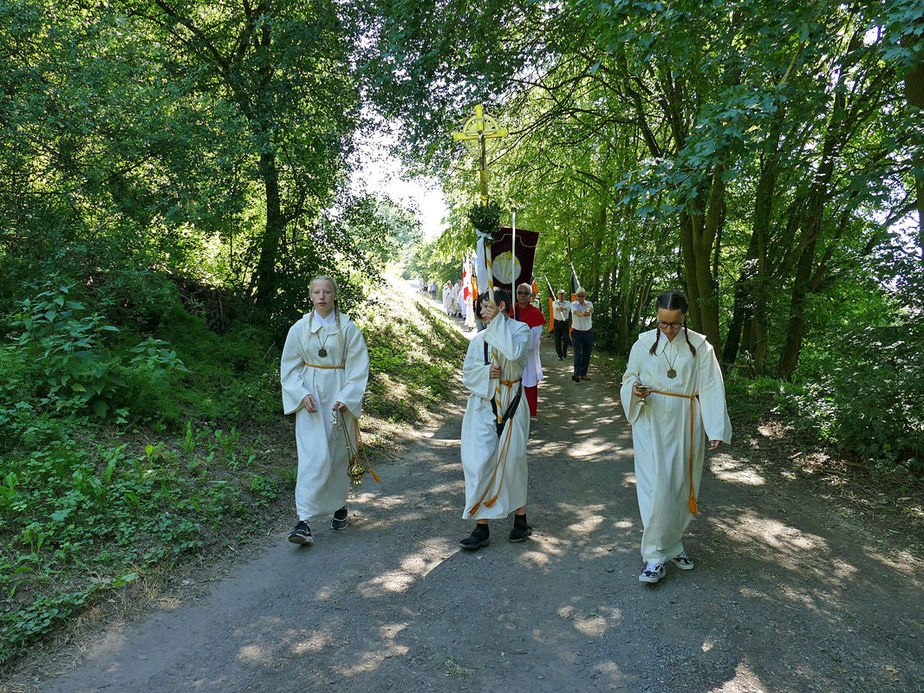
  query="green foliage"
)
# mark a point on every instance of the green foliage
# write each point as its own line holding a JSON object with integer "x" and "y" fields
{"x": 59, "y": 360}
{"x": 485, "y": 217}
{"x": 405, "y": 383}
{"x": 429, "y": 263}
{"x": 100, "y": 513}
{"x": 869, "y": 397}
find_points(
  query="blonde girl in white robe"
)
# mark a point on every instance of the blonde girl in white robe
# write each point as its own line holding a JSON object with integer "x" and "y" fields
{"x": 324, "y": 369}
{"x": 686, "y": 387}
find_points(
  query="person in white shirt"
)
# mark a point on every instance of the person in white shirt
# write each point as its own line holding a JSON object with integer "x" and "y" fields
{"x": 561, "y": 310}
{"x": 447, "y": 298}
{"x": 582, "y": 334}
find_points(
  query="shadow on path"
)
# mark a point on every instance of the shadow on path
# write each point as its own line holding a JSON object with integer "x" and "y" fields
{"x": 784, "y": 596}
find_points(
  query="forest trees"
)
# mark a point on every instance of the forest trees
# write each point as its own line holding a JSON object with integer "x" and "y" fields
{"x": 748, "y": 151}
{"x": 279, "y": 69}
{"x": 201, "y": 139}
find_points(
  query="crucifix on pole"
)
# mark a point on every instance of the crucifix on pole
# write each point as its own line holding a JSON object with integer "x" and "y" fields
{"x": 480, "y": 134}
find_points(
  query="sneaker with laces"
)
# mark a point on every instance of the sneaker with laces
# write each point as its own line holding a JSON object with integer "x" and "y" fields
{"x": 682, "y": 561}
{"x": 340, "y": 519}
{"x": 301, "y": 534}
{"x": 652, "y": 573}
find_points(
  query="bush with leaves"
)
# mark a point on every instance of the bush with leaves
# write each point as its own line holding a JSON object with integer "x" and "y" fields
{"x": 870, "y": 399}
{"x": 58, "y": 352}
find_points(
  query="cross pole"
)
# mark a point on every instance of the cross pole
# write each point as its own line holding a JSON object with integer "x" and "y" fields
{"x": 482, "y": 128}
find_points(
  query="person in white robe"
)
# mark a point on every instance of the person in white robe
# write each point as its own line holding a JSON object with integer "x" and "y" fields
{"x": 670, "y": 425}
{"x": 494, "y": 456}
{"x": 447, "y": 298}
{"x": 457, "y": 299}
{"x": 323, "y": 370}
{"x": 469, "y": 316}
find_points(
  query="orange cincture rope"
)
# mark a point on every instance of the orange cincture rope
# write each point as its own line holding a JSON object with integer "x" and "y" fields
{"x": 694, "y": 507}
{"x": 314, "y": 365}
{"x": 501, "y": 462}
{"x": 362, "y": 446}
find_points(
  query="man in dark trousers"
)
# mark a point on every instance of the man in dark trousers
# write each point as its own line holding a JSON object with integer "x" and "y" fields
{"x": 561, "y": 311}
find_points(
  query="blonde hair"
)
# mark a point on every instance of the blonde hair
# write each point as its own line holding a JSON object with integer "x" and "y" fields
{"x": 329, "y": 280}
{"x": 333, "y": 282}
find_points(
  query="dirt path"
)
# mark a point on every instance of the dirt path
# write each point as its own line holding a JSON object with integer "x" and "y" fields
{"x": 787, "y": 595}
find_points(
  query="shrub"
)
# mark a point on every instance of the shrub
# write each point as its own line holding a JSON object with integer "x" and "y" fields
{"x": 870, "y": 400}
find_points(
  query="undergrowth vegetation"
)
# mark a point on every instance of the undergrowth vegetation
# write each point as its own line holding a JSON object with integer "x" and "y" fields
{"x": 124, "y": 451}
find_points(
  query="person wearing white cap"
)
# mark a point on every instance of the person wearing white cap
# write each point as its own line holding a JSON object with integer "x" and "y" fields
{"x": 582, "y": 333}
{"x": 561, "y": 310}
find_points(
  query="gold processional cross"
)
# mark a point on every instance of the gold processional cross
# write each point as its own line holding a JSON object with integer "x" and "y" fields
{"x": 480, "y": 134}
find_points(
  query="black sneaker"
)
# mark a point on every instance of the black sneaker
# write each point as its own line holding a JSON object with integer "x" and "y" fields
{"x": 519, "y": 534}
{"x": 301, "y": 534}
{"x": 340, "y": 519}
{"x": 475, "y": 540}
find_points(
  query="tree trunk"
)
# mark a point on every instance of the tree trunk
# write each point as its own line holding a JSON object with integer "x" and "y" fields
{"x": 750, "y": 293}
{"x": 796, "y": 329}
{"x": 269, "y": 246}
{"x": 914, "y": 93}
{"x": 703, "y": 229}
{"x": 687, "y": 222}
{"x": 743, "y": 307}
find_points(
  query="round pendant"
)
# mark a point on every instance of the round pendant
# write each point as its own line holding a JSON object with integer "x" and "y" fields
{"x": 671, "y": 373}
{"x": 322, "y": 352}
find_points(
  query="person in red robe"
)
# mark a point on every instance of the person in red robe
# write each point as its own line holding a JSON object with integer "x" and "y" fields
{"x": 524, "y": 311}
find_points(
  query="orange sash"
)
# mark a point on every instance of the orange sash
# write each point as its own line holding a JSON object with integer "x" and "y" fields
{"x": 694, "y": 507}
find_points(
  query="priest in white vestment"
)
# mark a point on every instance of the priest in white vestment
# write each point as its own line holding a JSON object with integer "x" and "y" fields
{"x": 669, "y": 450}
{"x": 494, "y": 456}
{"x": 324, "y": 369}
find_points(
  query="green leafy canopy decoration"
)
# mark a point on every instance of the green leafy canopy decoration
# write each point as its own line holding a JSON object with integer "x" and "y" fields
{"x": 485, "y": 218}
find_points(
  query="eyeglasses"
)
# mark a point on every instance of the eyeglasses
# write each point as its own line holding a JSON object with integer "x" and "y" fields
{"x": 672, "y": 325}
{"x": 524, "y": 293}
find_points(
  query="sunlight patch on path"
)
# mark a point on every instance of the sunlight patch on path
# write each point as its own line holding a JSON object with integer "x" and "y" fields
{"x": 727, "y": 468}
{"x": 593, "y": 624}
{"x": 414, "y": 567}
{"x": 745, "y": 681}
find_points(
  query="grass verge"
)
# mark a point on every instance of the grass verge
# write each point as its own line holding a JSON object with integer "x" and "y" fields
{"x": 89, "y": 511}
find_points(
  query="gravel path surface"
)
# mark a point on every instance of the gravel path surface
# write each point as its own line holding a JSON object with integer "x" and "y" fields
{"x": 787, "y": 594}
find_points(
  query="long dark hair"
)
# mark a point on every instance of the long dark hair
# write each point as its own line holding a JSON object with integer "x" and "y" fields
{"x": 673, "y": 300}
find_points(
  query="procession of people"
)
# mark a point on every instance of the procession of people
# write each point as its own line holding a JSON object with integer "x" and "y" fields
{"x": 672, "y": 395}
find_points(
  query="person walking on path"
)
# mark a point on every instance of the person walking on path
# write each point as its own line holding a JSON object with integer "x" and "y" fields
{"x": 495, "y": 426}
{"x": 323, "y": 370}
{"x": 582, "y": 334}
{"x": 561, "y": 311}
{"x": 524, "y": 311}
{"x": 447, "y": 298}
{"x": 674, "y": 398}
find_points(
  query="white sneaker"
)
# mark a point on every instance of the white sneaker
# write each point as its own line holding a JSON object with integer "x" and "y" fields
{"x": 682, "y": 561}
{"x": 652, "y": 573}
